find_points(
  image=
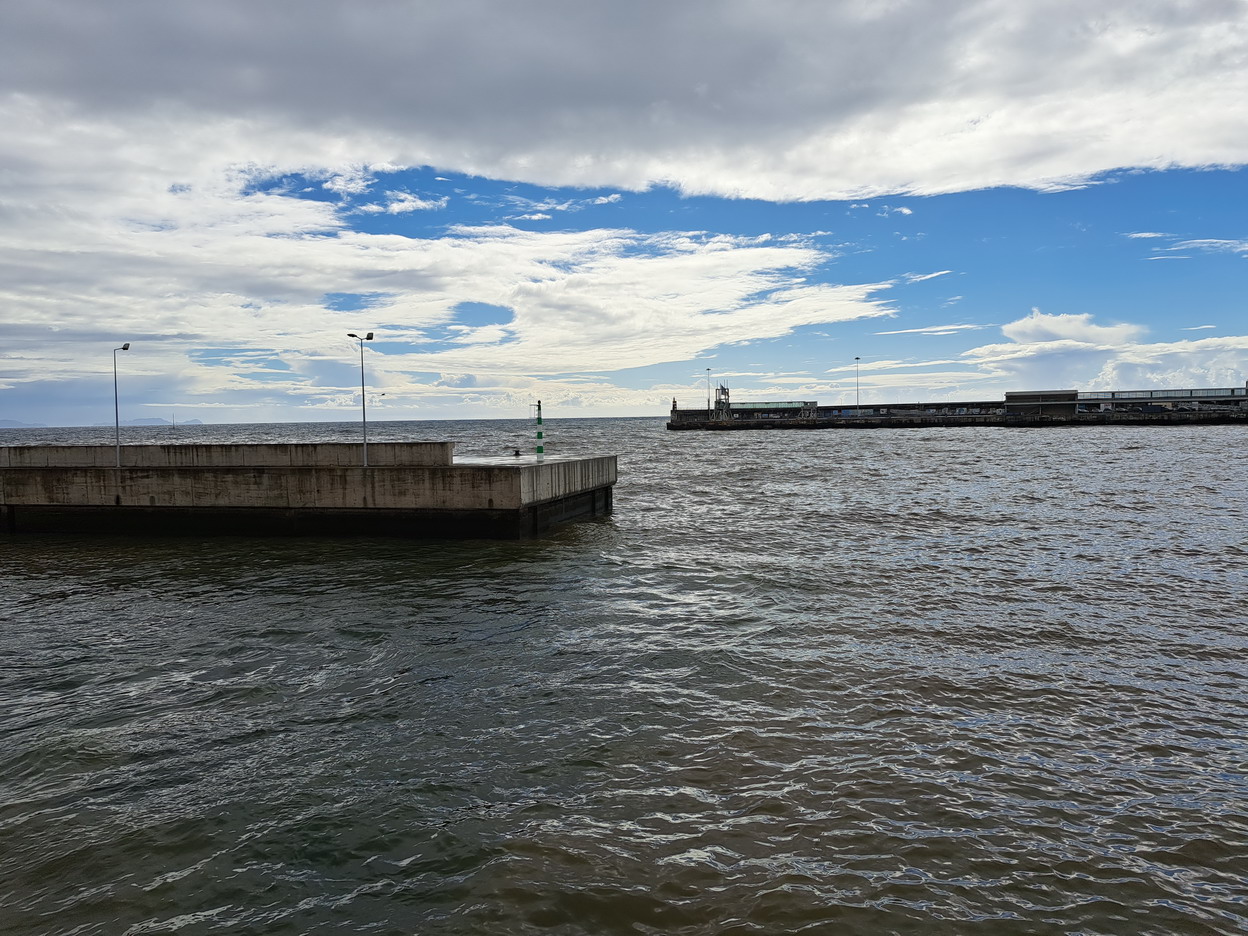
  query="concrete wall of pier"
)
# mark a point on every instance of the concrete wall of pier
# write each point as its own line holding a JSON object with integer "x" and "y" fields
{"x": 438, "y": 487}
{"x": 405, "y": 486}
{"x": 311, "y": 455}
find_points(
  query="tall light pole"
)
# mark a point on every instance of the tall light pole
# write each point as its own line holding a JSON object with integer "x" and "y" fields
{"x": 363, "y": 401}
{"x": 116, "y": 407}
{"x": 708, "y": 394}
{"x": 857, "y": 396}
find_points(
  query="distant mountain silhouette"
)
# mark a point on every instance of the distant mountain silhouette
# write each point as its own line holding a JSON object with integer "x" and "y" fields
{"x": 154, "y": 421}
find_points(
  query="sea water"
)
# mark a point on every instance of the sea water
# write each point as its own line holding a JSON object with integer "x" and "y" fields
{"x": 919, "y": 681}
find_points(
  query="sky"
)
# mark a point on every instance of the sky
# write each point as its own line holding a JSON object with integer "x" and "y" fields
{"x": 607, "y": 205}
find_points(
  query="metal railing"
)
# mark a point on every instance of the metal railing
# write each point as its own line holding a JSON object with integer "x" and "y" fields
{"x": 1161, "y": 394}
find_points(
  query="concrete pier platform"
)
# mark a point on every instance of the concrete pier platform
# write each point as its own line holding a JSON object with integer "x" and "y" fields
{"x": 412, "y": 489}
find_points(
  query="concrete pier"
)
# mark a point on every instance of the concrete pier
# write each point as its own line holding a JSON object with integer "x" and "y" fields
{"x": 415, "y": 489}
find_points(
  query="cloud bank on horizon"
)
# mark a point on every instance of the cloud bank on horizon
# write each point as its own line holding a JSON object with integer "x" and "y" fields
{"x": 593, "y": 202}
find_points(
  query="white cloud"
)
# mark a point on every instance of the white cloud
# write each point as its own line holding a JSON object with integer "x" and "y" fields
{"x": 933, "y": 330}
{"x": 766, "y": 375}
{"x": 540, "y": 210}
{"x": 402, "y": 202}
{"x": 920, "y": 277}
{"x": 210, "y": 264}
{"x": 1039, "y": 327}
{"x": 545, "y": 205}
{"x": 1214, "y": 245}
{"x": 1065, "y": 351}
{"x": 353, "y": 181}
{"x": 1145, "y": 234}
{"x": 1045, "y": 352}
{"x": 837, "y": 100}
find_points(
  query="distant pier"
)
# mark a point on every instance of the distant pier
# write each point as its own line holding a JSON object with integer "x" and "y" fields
{"x": 1031, "y": 408}
{"x": 412, "y": 489}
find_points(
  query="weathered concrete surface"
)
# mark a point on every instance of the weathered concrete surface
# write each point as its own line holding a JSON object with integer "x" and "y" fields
{"x": 312, "y": 455}
{"x": 438, "y": 487}
{"x": 179, "y": 485}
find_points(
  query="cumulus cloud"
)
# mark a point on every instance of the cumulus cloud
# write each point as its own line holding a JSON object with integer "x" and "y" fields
{"x": 1064, "y": 351}
{"x": 355, "y": 182}
{"x": 1039, "y": 327}
{"x": 402, "y": 202}
{"x": 213, "y": 264}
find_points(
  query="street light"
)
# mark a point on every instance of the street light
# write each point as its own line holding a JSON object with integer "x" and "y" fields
{"x": 857, "y": 397}
{"x": 363, "y": 402}
{"x": 116, "y": 407}
{"x": 708, "y": 394}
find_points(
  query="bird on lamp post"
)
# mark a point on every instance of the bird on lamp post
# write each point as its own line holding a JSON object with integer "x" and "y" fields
{"x": 116, "y": 406}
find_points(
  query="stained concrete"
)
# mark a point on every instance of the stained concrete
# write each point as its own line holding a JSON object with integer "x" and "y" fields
{"x": 408, "y": 487}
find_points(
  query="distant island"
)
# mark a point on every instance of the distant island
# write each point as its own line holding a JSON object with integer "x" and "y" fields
{"x": 14, "y": 424}
{"x": 155, "y": 421}
{"x": 160, "y": 422}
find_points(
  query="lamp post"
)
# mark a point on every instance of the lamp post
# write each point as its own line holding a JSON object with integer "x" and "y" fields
{"x": 116, "y": 406}
{"x": 363, "y": 401}
{"x": 708, "y": 394}
{"x": 857, "y": 396}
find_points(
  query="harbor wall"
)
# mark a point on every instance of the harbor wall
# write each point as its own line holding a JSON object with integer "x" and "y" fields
{"x": 1201, "y": 406}
{"x": 1003, "y": 420}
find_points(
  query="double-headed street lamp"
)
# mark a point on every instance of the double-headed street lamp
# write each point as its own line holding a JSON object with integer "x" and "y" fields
{"x": 116, "y": 407}
{"x": 857, "y": 398}
{"x": 363, "y": 401}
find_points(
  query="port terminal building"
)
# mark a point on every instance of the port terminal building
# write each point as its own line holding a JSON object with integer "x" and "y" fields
{"x": 1027, "y": 407}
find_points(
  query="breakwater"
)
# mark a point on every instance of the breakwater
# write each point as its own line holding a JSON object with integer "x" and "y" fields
{"x": 1028, "y": 408}
{"x": 999, "y": 420}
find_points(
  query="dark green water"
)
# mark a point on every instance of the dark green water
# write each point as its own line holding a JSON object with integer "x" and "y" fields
{"x": 920, "y": 682}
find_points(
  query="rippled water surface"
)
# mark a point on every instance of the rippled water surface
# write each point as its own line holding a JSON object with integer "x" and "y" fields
{"x": 899, "y": 681}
